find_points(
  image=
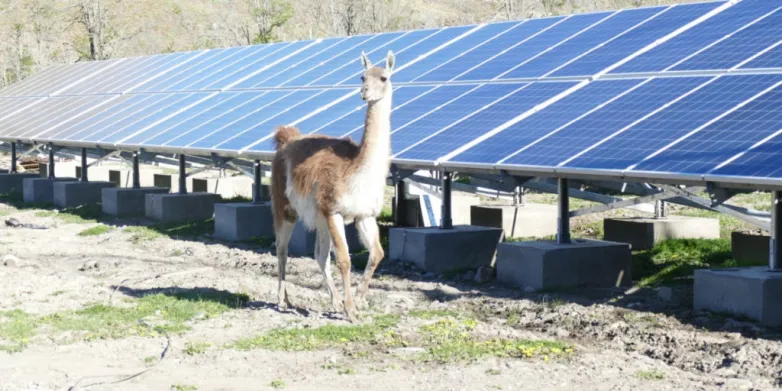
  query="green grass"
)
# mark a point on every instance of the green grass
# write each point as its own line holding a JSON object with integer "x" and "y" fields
{"x": 649, "y": 375}
{"x": 196, "y": 348}
{"x": 673, "y": 261}
{"x": 183, "y": 387}
{"x": 163, "y": 312}
{"x": 87, "y": 214}
{"x": 142, "y": 234}
{"x": 432, "y": 314}
{"x": 277, "y": 383}
{"x": 96, "y": 230}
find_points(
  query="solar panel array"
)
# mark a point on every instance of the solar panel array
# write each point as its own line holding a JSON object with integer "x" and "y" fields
{"x": 680, "y": 91}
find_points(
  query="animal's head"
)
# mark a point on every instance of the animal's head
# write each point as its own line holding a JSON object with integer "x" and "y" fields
{"x": 376, "y": 81}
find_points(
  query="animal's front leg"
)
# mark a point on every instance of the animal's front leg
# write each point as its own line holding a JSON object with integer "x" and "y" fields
{"x": 336, "y": 226}
{"x": 323, "y": 256}
{"x": 370, "y": 237}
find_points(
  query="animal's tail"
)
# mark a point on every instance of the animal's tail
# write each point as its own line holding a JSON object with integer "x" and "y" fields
{"x": 284, "y": 135}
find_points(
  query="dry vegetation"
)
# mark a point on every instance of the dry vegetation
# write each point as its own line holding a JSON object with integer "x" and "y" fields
{"x": 40, "y": 33}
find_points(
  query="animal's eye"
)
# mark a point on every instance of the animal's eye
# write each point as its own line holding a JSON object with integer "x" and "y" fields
{"x": 383, "y": 79}
{"x": 362, "y": 78}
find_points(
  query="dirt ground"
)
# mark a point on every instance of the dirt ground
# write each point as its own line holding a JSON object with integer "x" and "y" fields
{"x": 74, "y": 314}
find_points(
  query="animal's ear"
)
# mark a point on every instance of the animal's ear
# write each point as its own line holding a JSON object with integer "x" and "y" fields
{"x": 365, "y": 60}
{"x": 390, "y": 59}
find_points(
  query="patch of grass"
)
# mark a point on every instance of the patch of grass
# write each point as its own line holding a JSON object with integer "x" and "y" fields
{"x": 431, "y": 314}
{"x": 186, "y": 229}
{"x": 162, "y": 312}
{"x": 149, "y": 360}
{"x": 277, "y": 383}
{"x": 386, "y": 216}
{"x": 196, "y": 348}
{"x": 16, "y": 328}
{"x": 96, "y": 230}
{"x": 87, "y": 214}
{"x": 493, "y": 372}
{"x": 675, "y": 260}
{"x": 183, "y": 387}
{"x": 141, "y": 234}
{"x": 57, "y": 292}
{"x": 451, "y": 341}
{"x": 304, "y": 339}
{"x": 649, "y": 375}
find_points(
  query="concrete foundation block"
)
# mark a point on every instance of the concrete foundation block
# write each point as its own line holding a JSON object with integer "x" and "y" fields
{"x": 13, "y": 183}
{"x": 125, "y": 202}
{"x": 643, "y": 233}
{"x": 548, "y": 265}
{"x": 72, "y": 194}
{"x": 302, "y": 242}
{"x": 180, "y": 207}
{"x": 243, "y": 221}
{"x": 749, "y": 247}
{"x": 442, "y": 250}
{"x": 524, "y": 221}
{"x": 753, "y": 292}
{"x": 41, "y": 190}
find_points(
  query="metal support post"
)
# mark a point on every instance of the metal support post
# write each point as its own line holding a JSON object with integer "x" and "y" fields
{"x": 563, "y": 223}
{"x": 136, "y": 172}
{"x": 51, "y": 161}
{"x": 182, "y": 175}
{"x": 775, "y": 258}
{"x": 83, "y": 165}
{"x": 447, "y": 221}
{"x": 660, "y": 209}
{"x": 257, "y": 182}
{"x": 13, "y": 157}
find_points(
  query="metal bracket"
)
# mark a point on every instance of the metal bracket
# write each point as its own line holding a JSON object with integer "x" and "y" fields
{"x": 719, "y": 195}
{"x": 737, "y": 212}
{"x": 104, "y": 157}
{"x": 396, "y": 175}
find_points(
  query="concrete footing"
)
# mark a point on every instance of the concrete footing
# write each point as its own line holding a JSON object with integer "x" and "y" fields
{"x": 644, "y": 233}
{"x": 753, "y": 292}
{"x": 12, "y": 183}
{"x": 302, "y": 242}
{"x": 126, "y": 202}
{"x": 243, "y": 221}
{"x": 549, "y": 265}
{"x": 41, "y": 190}
{"x": 442, "y": 250}
{"x": 180, "y": 207}
{"x": 749, "y": 247}
{"x": 524, "y": 221}
{"x": 71, "y": 194}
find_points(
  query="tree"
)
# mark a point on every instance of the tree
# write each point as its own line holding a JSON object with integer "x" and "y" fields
{"x": 268, "y": 16}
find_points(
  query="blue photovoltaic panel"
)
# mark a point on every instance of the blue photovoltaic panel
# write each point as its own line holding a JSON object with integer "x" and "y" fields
{"x": 18, "y": 88}
{"x": 655, "y": 132}
{"x": 763, "y": 161}
{"x": 73, "y": 75}
{"x": 538, "y": 124}
{"x": 689, "y": 42}
{"x": 174, "y": 104}
{"x": 534, "y": 46}
{"x": 739, "y": 47}
{"x": 308, "y": 76}
{"x": 116, "y": 115}
{"x": 195, "y": 79}
{"x": 59, "y": 109}
{"x": 770, "y": 59}
{"x": 496, "y": 113}
{"x": 198, "y": 65}
{"x": 56, "y": 132}
{"x": 416, "y": 131}
{"x": 638, "y": 38}
{"x": 260, "y": 129}
{"x": 302, "y": 61}
{"x": 449, "y": 70}
{"x": 451, "y": 52}
{"x": 121, "y": 70}
{"x": 580, "y": 44}
{"x": 11, "y": 106}
{"x": 723, "y": 139}
{"x": 587, "y": 131}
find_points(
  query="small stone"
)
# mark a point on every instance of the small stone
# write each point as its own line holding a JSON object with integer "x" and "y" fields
{"x": 468, "y": 276}
{"x": 11, "y": 261}
{"x": 738, "y": 384}
{"x": 529, "y": 289}
{"x": 89, "y": 265}
{"x": 484, "y": 275}
{"x": 408, "y": 351}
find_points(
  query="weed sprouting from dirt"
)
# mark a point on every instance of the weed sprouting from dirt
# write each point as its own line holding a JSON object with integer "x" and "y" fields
{"x": 196, "y": 348}
{"x": 86, "y": 214}
{"x": 277, "y": 383}
{"x": 183, "y": 387}
{"x": 96, "y": 230}
{"x": 432, "y": 314}
{"x": 16, "y": 328}
{"x": 149, "y": 360}
{"x": 649, "y": 375}
{"x": 141, "y": 234}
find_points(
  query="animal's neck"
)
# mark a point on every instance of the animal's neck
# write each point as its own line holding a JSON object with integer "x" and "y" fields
{"x": 376, "y": 143}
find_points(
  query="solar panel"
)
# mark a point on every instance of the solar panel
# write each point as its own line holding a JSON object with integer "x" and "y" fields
{"x": 595, "y": 91}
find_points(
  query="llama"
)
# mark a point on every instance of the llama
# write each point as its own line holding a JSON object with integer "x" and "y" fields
{"x": 328, "y": 182}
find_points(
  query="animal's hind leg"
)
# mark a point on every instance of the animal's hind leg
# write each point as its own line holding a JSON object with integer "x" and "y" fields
{"x": 323, "y": 255}
{"x": 284, "y": 233}
{"x": 370, "y": 237}
{"x": 336, "y": 226}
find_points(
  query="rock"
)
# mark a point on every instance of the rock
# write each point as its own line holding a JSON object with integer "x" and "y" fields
{"x": 738, "y": 384}
{"x": 407, "y": 351}
{"x": 105, "y": 265}
{"x": 11, "y": 261}
{"x": 89, "y": 265}
{"x": 529, "y": 289}
{"x": 468, "y": 276}
{"x": 484, "y": 274}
